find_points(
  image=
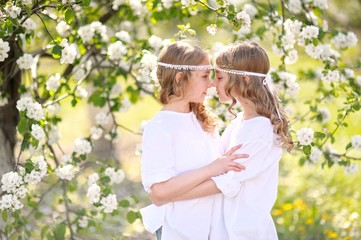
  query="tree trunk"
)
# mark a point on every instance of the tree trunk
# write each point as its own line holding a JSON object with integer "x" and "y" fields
{"x": 10, "y": 78}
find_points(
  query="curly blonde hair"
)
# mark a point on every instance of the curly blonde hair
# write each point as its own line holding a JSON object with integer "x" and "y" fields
{"x": 182, "y": 53}
{"x": 249, "y": 56}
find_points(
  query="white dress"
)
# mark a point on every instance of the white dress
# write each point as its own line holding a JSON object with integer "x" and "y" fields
{"x": 175, "y": 143}
{"x": 250, "y": 195}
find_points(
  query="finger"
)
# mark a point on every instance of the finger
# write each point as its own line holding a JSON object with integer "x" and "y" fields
{"x": 239, "y": 166}
{"x": 237, "y": 156}
{"x": 232, "y": 150}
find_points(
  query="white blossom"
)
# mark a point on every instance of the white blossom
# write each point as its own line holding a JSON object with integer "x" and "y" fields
{"x": 117, "y": 3}
{"x": 109, "y": 203}
{"x": 293, "y": 27}
{"x": 124, "y": 36}
{"x": 295, "y": 6}
{"x": 115, "y": 176}
{"x": 33, "y": 177}
{"x": 10, "y": 181}
{"x": 349, "y": 73}
{"x": 155, "y": 42}
{"x": 352, "y": 168}
{"x": 243, "y": 15}
{"x": 66, "y": 159}
{"x": 21, "y": 192}
{"x": 149, "y": 61}
{"x": 250, "y": 9}
{"x": 10, "y": 202}
{"x": 116, "y": 50}
{"x": 68, "y": 54}
{"x": 356, "y": 142}
{"x": 12, "y": 10}
{"x": 3, "y": 100}
{"x": 25, "y": 61}
{"x": 29, "y": 25}
{"x": 315, "y": 155}
{"x": 67, "y": 172}
{"x": 53, "y": 108}
{"x": 331, "y": 76}
{"x": 4, "y": 49}
{"x": 102, "y": 119}
{"x": 212, "y": 29}
{"x": 86, "y": 33}
{"x": 309, "y": 32}
{"x": 325, "y": 114}
{"x": 81, "y": 92}
{"x": 291, "y": 57}
{"x": 93, "y": 178}
{"x": 27, "y": 2}
{"x": 313, "y": 51}
{"x": 82, "y": 146}
{"x": 321, "y": 4}
{"x": 305, "y": 136}
{"x": 37, "y": 132}
{"x": 41, "y": 164}
{"x": 53, "y": 83}
{"x": 94, "y": 193}
{"x": 83, "y": 222}
{"x": 167, "y": 3}
{"x": 63, "y": 28}
{"x": 35, "y": 111}
{"x": 96, "y": 133}
{"x": 343, "y": 41}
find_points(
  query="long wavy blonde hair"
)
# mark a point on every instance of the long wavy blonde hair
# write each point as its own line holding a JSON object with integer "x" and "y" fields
{"x": 182, "y": 53}
{"x": 249, "y": 56}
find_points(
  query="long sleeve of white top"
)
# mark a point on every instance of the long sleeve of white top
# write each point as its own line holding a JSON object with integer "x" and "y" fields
{"x": 258, "y": 145}
{"x": 157, "y": 158}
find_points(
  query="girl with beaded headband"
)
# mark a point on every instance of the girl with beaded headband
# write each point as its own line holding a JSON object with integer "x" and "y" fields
{"x": 179, "y": 145}
{"x": 262, "y": 129}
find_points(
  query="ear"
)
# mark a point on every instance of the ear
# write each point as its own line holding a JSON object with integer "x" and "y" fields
{"x": 179, "y": 77}
{"x": 247, "y": 79}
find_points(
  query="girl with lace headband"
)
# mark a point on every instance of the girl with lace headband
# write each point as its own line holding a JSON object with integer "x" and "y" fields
{"x": 179, "y": 148}
{"x": 262, "y": 129}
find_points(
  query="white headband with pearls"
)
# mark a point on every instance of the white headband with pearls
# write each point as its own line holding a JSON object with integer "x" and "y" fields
{"x": 267, "y": 81}
{"x": 185, "y": 67}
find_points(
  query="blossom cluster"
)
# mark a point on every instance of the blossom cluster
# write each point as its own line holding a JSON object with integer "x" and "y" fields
{"x": 14, "y": 183}
{"x": 33, "y": 109}
{"x": 108, "y": 203}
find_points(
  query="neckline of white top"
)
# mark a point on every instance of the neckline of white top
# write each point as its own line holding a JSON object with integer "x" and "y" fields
{"x": 176, "y": 113}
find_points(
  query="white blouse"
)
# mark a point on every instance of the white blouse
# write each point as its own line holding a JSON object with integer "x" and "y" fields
{"x": 174, "y": 143}
{"x": 250, "y": 195}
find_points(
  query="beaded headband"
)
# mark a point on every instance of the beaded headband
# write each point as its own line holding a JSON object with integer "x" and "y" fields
{"x": 186, "y": 67}
{"x": 267, "y": 81}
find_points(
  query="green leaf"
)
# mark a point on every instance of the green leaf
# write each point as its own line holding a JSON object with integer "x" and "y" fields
{"x": 348, "y": 146}
{"x": 22, "y": 125}
{"x": 69, "y": 15}
{"x": 132, "y": 216}
{"x": 59, "y": 231}
{"x": 124, "y": 203}
{"x": 220, "y": 2}
{"x": 44, "y": 230}
{"x": 86, "y": 3}
{"x": 4, "y": 215}
{"x": 56, "y": 52}
{"x": 307, "y": 149}
{"x": 319, "y": 135}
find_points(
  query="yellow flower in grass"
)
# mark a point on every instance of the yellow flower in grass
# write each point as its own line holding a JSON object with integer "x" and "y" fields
{"x": 300, "y": 204}
{"x": 309, "y": 221}
{"x": 277, "y": 212}
{"x": 287, "y": 207}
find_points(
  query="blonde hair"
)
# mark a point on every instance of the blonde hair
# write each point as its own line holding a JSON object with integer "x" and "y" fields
{"x": 252, "y": 58}
{"x": 182, "y": 53}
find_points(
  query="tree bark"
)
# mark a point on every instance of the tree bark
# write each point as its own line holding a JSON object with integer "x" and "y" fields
{"x": 10, "y": 78}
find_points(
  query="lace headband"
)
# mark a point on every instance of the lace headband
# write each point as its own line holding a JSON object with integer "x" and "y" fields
{"x": 267, "y": 81}
{"x": 185, "y": 67}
